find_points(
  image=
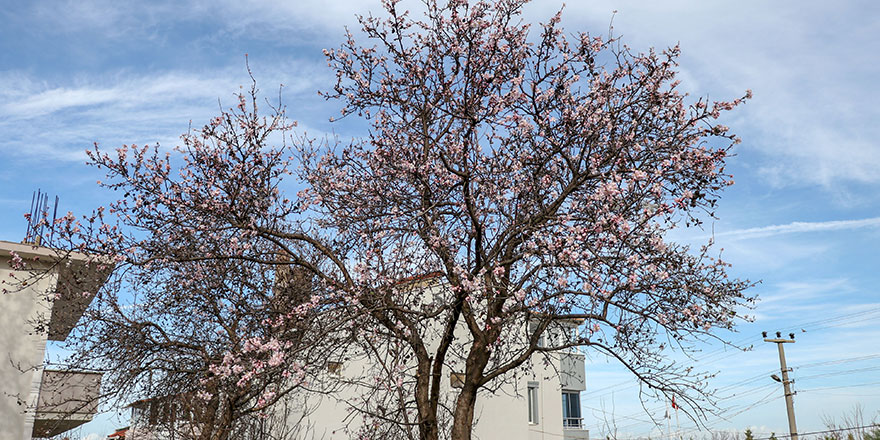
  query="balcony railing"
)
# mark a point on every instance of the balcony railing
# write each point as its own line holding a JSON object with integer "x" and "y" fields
{"x": 572, "y": 422}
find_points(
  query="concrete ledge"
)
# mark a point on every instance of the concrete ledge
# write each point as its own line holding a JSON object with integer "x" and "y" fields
{"x": 67, "y": 399}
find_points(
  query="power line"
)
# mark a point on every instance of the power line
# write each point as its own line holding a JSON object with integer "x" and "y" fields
{"x": 838, "y": 373}
{"x": 853, "y": 428}
{"x": 839, "y": 361}
{"x": 723, "y": 414}
{"x": 612, "y": 414}
{"x": 818, "y": 323}
{"x": 720, "y": 414}
{"x": 839, "y": 387}
{"x": 755, "y": 378}
{"x": 764, "y": 400}
{"x": 707, "y": 359}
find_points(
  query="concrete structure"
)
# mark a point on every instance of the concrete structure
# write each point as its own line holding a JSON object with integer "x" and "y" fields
{"x": 67, "y": 399}
{"x": 540, "y": 401}
{"x": 43, "y": 301}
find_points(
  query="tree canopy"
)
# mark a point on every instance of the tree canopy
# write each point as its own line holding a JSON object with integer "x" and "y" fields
{"x": 536, "y": 173}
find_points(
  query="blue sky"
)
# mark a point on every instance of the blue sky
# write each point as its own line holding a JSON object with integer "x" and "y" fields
{"x": 804, "y": 216}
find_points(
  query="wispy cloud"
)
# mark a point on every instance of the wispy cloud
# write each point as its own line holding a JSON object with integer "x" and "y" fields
{"x": 805, "y": 299}
{"x": 800, "y": 227}
{"x": 809, "y": 120}
{"x": 805, "y": 290}
{"x": 812, "y": 69}
{"x": 58, "y": 121}
{"x": 256, "y": 19}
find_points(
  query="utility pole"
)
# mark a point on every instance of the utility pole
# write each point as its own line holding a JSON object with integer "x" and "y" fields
{"x": 786, "y": 384}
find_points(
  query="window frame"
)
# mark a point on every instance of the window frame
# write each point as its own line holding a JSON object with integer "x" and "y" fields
{"x": 533, "y": 399}
{"x": 571, "y": 400}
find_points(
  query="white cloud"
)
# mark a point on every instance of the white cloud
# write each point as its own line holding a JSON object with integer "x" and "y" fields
{"x": 256, "y": 19}
{"x": 800, "y": 227}
{"x": 57, "y": 99}
{"x": 120, "y": 91}
{"x": 59, "y": 121}
{"x": 786, "y": 291}
{"x": 812, "y": 69}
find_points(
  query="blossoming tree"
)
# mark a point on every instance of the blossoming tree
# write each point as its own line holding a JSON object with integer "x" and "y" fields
{"x": 535, "y": 173}
{"x": 205, "y": 348}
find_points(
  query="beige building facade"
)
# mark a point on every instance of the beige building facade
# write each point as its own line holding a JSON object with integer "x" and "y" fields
{"x": 540, "y": 401}
{"x": 40, "y": 301}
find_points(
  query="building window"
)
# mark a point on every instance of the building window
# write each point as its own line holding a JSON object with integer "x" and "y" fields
{"x": 532, "y": 397}
{"x": 571, "y": 409}
{"x": 533, "y": 328}
{"x": 456, "y": 380}
{"x": 334, "y": 368}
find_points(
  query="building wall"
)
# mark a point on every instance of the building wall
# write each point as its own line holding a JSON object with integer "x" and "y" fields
{"x": 499, "y": 415}
{"x": 549, "y": 404}
{"x": 43, "y": 301}
{"x": 22, "y": 349}
{"x": 69, "y": 393}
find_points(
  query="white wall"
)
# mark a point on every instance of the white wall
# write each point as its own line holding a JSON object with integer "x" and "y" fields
{"x": 27, "y": 321}
{"x": 22, "y": 349}
{"x": 501, "y": 415}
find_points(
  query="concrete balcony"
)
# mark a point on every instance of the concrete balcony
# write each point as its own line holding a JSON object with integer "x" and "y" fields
{"x": 573, "y": 429}
{"x": 571, "y": 371}
{"x": 67, "y": 399}
{"x": 575, "y": 433}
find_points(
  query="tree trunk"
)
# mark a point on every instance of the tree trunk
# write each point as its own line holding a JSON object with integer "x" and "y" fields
{"x": 463, "y": 416}
{"x": 428, "y": 429}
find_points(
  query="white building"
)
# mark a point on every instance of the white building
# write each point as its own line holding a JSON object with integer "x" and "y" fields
{"x": 541, "y": 405}
{"x": 40, "y": 302}
{"x": 541, "y": 402}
